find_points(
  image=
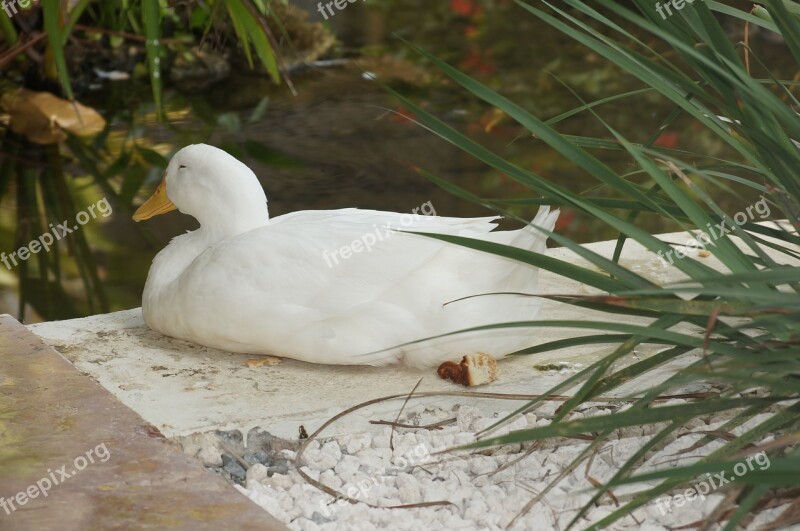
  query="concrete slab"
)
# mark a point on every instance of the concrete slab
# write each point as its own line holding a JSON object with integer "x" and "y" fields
{"x": 183, "y": 388}
{"x": 74, "y": 457}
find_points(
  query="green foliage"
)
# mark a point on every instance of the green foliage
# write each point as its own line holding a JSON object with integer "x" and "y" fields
{"x": 146, "y": 18}
{"x": 252, "y": 29}
{"x": 689, "y": 61}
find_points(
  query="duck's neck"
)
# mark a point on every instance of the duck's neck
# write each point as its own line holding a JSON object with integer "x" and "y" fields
{"x": 218, "y": 223}
{"x": 176, "y": 257}
{"x": 219, "y": 229}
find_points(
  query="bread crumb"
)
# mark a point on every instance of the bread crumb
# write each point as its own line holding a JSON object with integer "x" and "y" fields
{"x": 263, "y": 360}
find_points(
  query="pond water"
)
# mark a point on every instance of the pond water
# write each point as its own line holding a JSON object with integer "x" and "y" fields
{"x": 342, "y": 141}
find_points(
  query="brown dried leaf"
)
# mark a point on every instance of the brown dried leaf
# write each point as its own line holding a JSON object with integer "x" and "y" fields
{"x": 43, "y": 117}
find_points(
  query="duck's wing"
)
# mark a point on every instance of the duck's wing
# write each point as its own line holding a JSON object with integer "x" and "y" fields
{"x": 310, "y": 259}
{"x": 390, "y": 220}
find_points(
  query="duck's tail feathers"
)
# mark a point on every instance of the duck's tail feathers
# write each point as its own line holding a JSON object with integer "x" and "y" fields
{"x": 532, "y": 237}
{"x": 522, "y": 277}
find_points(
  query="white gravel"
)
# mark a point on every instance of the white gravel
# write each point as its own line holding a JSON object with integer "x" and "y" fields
{"x": 363, "y": 466}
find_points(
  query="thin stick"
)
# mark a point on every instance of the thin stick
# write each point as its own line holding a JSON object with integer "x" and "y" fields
{"x": 747, "y": 43}
{"x": 11, "y": 54}
{"x": 127, "y": 36}
{"x": 391, "y": 435}
{"x": 533, "y": 446}
{"x": 236, "y": 456}
{"x": 434, "y": 426}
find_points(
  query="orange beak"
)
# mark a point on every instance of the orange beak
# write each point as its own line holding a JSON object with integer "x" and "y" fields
{"x": 158, "y": 203}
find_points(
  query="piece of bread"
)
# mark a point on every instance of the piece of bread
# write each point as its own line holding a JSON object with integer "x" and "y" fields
{"x": 474, "y": 369}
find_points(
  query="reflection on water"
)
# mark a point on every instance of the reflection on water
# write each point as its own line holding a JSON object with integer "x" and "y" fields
{"x": 342, "y": 141}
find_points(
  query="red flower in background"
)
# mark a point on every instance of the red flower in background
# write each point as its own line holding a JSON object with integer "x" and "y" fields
{"x": 465, "y": 8}
{"x": 476, "y": 63}
{"x": 403, "y": 115}
{"x": 668, "y": 139}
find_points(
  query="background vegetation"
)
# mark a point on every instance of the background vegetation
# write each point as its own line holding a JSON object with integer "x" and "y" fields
{"x": 733, "y": 331}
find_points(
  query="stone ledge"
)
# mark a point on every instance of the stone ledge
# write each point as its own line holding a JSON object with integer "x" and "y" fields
{"x": 52, "y": 415}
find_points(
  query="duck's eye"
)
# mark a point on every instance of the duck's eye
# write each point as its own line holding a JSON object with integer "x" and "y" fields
{"x": 181, "y": 167}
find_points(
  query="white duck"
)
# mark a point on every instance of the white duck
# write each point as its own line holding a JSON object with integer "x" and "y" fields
{"x": 305, "y": 285}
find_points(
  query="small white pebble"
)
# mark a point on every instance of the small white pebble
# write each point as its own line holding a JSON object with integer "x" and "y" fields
{"x": 278, "y": 482}
{"x": 210, "y": 456}
{"x": 466, "y": 416}
{"x": 356, "y": 443}
{"x": 331, "y": 478}
{"x": 347, "y": 467}
{"x": 328, "y": 456}
{"x": 257, "y": 472}
{"x": 480, "y": 465}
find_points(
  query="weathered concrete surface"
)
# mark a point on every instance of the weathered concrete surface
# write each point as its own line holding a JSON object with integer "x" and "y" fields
{"x": 183, "y": 388}
{"x": 51, "y": 416}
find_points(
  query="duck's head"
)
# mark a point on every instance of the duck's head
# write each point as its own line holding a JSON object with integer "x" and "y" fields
{"x": 211, "y": 186}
